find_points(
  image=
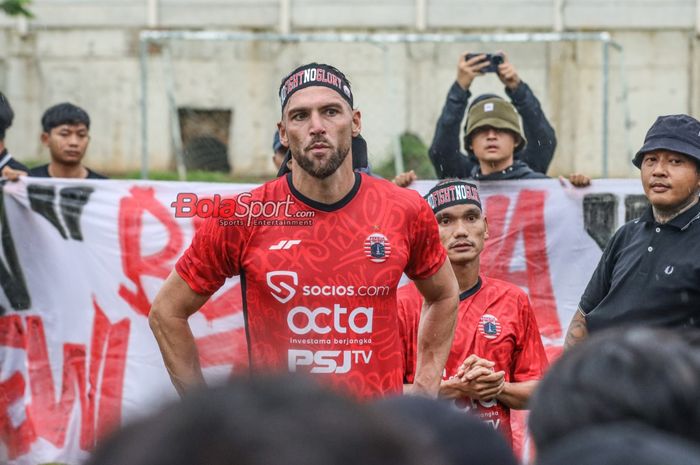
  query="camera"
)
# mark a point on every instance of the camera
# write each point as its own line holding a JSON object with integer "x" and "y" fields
{"x": 494, "y": 60}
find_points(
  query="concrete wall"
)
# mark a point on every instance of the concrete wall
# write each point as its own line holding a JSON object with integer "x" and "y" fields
{"x": 363, "y": 14}
{"x": 87, "y": 52}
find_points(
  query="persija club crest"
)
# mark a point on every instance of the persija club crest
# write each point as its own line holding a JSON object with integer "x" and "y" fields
{"x": 489, "y": 326}
{"x": 377, "y": 247}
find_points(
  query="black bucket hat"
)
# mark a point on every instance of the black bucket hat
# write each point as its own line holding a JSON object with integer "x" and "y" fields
{"x": 677, "y": 133}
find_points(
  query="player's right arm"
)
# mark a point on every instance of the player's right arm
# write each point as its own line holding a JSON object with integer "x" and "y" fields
{"x": 171, "y": 308}
{"x": 202, "y": 269}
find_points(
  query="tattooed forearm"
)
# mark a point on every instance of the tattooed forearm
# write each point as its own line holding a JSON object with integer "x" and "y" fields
{"x": 578, "y": 331}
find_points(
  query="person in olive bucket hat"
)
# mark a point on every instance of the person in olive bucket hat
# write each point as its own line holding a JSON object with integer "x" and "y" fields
{"x": 494, "y": 135}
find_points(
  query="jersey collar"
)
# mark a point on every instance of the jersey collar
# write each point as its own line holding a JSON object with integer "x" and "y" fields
{"x": 470, "y": 292}
{"x": 324, "y": 206}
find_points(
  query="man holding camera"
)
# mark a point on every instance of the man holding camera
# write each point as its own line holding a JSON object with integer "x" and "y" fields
{"x": 445, "y": 152}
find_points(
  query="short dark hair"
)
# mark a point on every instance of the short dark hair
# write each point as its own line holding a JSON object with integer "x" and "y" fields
{"x": 621, "y": 444}
{"x": 6, "y": 115}
{"x": 461, "y": 436}
{"x": 271, "y": 420}
{"x": 447, "y": 181}
{"x": 651, "y": 376}
{"x": 64, "y": 113}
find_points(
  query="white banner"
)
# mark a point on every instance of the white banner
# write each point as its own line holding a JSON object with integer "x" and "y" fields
{"x": 82, "y": 260}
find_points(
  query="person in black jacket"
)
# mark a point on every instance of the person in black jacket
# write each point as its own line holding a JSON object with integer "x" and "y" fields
{"x": 448, "y": 160}
{"x": 9, "y": 167}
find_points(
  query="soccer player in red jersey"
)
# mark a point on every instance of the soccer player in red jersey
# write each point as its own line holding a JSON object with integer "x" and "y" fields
{"x": 319, "y": 273}
{"x": 497, "y": 355}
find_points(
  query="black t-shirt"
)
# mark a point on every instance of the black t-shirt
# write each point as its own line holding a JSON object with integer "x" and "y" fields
{"x": 649, "y": 274}
{"x": 43, "y": 172}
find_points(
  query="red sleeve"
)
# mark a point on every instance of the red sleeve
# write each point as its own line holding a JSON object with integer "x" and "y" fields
{"x": 427, "y": 253}
{"x": 530, "y": 361}
{"x": 213, "y": 256}
{"x": 409, "y": 306}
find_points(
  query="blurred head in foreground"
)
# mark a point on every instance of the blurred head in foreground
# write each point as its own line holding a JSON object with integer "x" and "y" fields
{"x": 462, "y": 439}
{"x": 283, "y": 420}
{"x": 642, "y": 375}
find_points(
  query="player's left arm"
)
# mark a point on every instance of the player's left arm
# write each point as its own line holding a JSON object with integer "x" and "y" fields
{"x": 529, "y": 361}
{"x": 436, "y": 328}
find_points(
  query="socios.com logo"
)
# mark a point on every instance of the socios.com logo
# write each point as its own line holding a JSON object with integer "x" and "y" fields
{"x": 282, "y": 284}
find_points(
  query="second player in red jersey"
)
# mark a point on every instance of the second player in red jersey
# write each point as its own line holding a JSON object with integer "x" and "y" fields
{"x": 494, "y": 322}
{"x": 497, "y": 355}
{"x": 319, "y": 274}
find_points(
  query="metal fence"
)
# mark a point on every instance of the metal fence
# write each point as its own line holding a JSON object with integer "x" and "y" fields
{"x": 177, "y": 68}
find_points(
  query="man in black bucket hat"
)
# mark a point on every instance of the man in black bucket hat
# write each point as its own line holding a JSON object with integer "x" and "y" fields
{"x": 649, "y": 273}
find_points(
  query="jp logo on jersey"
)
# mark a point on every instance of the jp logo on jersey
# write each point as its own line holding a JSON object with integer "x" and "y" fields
{"x": 377, "y": 247}
{"x": 489, "y": 326}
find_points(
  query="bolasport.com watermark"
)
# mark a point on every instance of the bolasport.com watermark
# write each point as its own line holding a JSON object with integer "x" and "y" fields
{"x": 241, "y": 210}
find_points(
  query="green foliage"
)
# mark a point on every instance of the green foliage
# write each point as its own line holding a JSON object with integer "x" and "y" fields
{"x": 415, "y": 157}
{"x": 16, "y": 8}
{"x": 194, "y": 176}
